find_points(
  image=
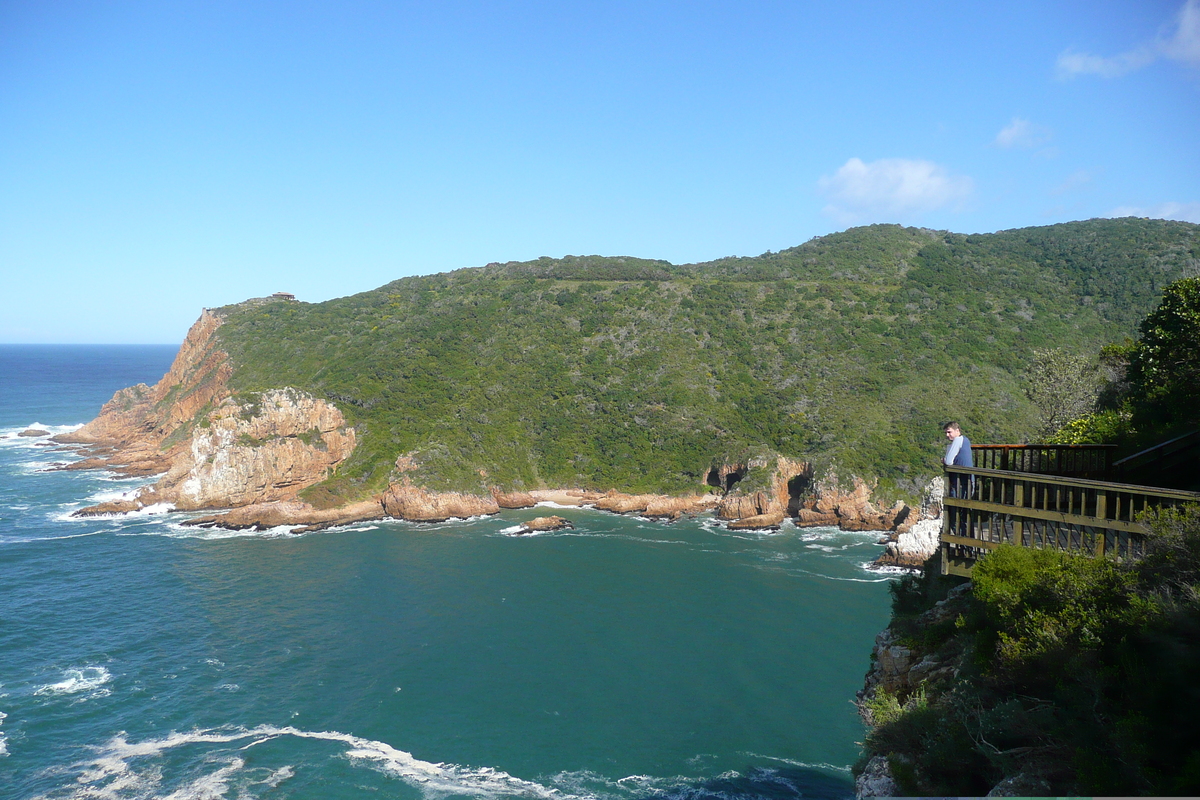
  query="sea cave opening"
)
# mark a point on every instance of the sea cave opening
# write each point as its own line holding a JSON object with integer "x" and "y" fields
{"x": 797, "y": 488}
{"x": 731, "y": 478}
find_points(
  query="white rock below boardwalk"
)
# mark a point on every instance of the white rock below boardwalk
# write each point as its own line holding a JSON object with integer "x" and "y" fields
{"x": 876, "y": 780}
{"x": 914, "y": 546}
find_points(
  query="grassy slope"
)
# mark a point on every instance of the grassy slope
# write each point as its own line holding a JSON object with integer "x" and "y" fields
{"x": 849, "y": 349}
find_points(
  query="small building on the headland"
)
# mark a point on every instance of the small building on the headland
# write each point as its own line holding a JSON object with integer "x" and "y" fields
{"x": 283, "y": 296}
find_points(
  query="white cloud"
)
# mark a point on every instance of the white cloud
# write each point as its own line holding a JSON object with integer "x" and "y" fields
{"x": 1184, "y": 45}
{"x": 1187, "y": 212}
{"x": 1079, "y": 179}
{"x": 1179, "y": 42}
{"x": 1071, "y": 63}
{"x": 891, "y": 188}
{"x": 1021, "y": 133}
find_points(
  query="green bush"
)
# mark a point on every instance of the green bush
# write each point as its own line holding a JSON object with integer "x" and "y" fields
{"x": 1084, "y": 673}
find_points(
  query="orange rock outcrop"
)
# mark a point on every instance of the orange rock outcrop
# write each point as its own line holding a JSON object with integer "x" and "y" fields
{"x": 421, "y": 505}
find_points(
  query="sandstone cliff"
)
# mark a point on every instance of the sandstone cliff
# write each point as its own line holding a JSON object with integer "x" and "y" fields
{"x": 420, "y": 505}
{"x": 795, "y": 490}
{"x": 260, "y": 450}
{"x": 767, "y": 507}
{"x": 217, "y": 450}
{"x": 136, "y": 432}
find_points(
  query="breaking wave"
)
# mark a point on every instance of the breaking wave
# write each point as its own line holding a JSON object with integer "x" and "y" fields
{"x": 87, "y": 681}
{"x": 126, "y": 769}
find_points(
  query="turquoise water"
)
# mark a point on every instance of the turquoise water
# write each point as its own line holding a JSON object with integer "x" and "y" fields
{"x": 623, "y": 659}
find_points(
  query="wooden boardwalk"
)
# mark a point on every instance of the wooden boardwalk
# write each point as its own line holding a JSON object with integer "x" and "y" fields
{"x": 1045, "y": 496}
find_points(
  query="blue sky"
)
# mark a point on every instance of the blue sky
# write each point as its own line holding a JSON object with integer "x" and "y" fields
{"x": 156, "y": 158}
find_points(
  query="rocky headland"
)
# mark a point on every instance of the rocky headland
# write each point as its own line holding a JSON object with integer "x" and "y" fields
{"x": 250, "y": 455}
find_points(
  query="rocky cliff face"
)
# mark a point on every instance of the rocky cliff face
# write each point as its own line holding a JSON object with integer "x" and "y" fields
{"x": 848, "y": 508}
{"x": 763, "y": 508}
{"x": 259, "y": 450}
{"x": 136, "y": 431}
{"x": 900, "y": 668}
{"x": 217, "y": 451}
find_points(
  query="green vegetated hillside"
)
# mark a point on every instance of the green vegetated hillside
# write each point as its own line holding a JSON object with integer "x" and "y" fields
{"x": 851, "y": 349}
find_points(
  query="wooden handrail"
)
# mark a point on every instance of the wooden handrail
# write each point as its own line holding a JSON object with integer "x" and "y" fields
{"x": 1033, "y": 509}
{"x": 1083, "y": 460}
{"x": 1099, "y": 447}
{"x": 1151, "y": 453}
{"x": 1157, "y": 491}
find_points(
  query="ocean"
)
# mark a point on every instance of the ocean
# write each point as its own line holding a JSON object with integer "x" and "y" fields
{"x": 623, "y": 659}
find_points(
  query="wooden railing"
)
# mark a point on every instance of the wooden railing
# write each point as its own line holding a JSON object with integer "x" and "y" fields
{"x": 986, "y": 507}
{"x": 1092, "y": 461}
{"x": 1175, "y": 462}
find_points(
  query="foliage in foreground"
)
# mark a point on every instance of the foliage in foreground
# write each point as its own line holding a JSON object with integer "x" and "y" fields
{"x": 852, "y": 349}
{"x": 1079, "y": 671}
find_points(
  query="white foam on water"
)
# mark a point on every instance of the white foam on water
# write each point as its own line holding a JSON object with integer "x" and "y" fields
{"x": 209, "y": 787}
{"x": 837, "y": 548}
{"x": 89, "y": 680}
{"x": 114, "y": 773}
{"x": 794, "y": 763}
{"x": 552, "y": 504}
{"x": 585, "y": 783}
{"x": 53, "y": 430}
{"x": 512, "y": 529}
{"x": 887, "y": 569}
{"x": 153, "y": 509}
{"x": 110, "y": 495}
{"x": 3, "y": 739}
{"x": 177, "y": 530}
{"x": 793, "y": 570}
{"x": 279, "y": 776}
{"x": 28, "y": 539}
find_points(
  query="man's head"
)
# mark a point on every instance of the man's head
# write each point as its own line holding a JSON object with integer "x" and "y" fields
{"x": 952, "y": 430}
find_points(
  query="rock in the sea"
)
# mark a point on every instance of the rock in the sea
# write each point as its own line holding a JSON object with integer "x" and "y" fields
{"x": 673, "y": 508}
{"x": 544, "y": 524}
{"x": 34, "y": 432}
{"x": 111, "y": 507}
{"x": 764, "y": 503}
{"x": 87, "y": 463}
{"x": 261, "y": 516}
{"x": 654, "y": 505}
{"x": 849, "y": 509}
{"x": 417, "y": 504}
{"x": 621, "y": 503}
{"x": 140, "y": 499}
{"x": 759, "y": 522}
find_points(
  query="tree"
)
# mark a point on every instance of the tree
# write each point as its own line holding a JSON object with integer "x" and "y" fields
{"x": 1164, "y": 371}
{"x": 1062, "y": 386}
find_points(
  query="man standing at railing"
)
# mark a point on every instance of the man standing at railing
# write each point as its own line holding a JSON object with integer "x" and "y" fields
{"x": 958, "y": 454}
